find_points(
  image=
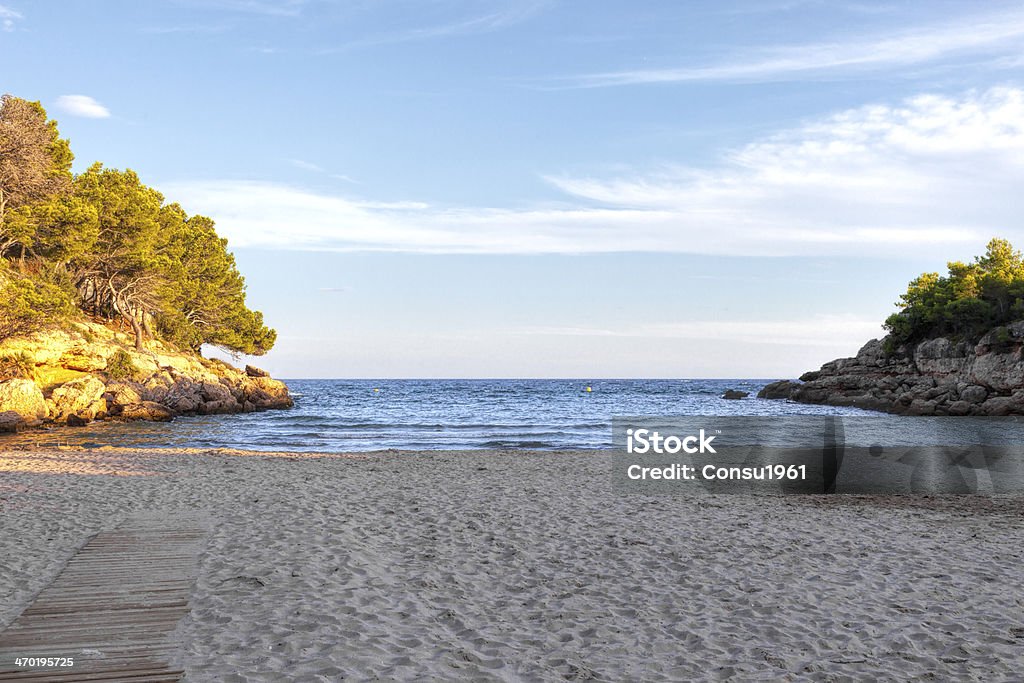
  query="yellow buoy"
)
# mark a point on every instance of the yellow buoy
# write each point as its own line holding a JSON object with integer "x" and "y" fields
{"x": 376, "y": 390}
{"x": 589, "y": 390}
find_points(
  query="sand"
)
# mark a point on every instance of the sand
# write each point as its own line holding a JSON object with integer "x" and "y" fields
{"x": 528, "y": 566}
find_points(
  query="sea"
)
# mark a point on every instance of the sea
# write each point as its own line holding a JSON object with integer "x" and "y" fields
{"x": 337, "y": 415}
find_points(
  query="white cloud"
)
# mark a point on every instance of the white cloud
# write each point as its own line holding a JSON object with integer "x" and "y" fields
{"x": 1002, "y": 33}
{"x": 82, "y": 105}
{"x": 8, "y": 17}
{"x": 879, "y": 180}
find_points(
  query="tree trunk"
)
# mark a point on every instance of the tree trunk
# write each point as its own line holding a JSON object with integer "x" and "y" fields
{"x": 137, "y": 328}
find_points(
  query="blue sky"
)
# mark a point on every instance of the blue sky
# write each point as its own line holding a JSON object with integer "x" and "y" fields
{"x": 447, "y": 188}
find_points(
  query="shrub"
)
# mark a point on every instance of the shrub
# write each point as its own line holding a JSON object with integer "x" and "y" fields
{"x": 30, "y": 304}
{"x": 120, "y": 366}
{"x": 17, "y": 366}
{"x": 964, "y": 304}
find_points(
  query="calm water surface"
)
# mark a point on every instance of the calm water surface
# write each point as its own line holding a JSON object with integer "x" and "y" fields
{"x": 361, "y": 415}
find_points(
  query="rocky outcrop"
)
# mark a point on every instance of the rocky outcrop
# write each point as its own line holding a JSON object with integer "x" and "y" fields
{"x": 735, "y": 394}
{"x": 24, "y": 398}
{"x": 90, "y": 372}
{"x": 935, "y": 377}
{"x": 82, "y": 398}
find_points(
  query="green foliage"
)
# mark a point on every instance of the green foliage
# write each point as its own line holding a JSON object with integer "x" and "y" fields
{"x": 30, "y": 303}
{"x": 35, "y": 165}
{"x": 108, "y": 242}
{"x": 17, "y": 366}
{"x": 120, "y": 366}
{"x": 204, "y": 292}
{"x": 967, "y": 302}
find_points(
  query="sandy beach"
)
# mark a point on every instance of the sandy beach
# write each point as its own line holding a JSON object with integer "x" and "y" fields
{"x": 527, "y": 566}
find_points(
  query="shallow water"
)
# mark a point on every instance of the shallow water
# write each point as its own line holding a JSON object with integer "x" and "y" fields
{"x": 362, "y": 415}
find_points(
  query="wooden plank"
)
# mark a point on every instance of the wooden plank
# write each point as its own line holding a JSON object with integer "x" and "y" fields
{"x": 113, "y": 607}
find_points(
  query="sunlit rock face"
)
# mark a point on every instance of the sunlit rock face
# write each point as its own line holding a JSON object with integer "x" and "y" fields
{"x": 90, "y": 372}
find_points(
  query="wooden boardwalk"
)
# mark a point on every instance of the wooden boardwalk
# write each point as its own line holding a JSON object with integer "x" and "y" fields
{"x": 113, "y": 607}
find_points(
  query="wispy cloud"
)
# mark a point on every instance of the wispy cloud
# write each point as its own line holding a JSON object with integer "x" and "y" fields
{"x": 822, "y": 330}
{"x": 317, "y": 168}
{"x": 485, "y": 23}
{"x": 207, "y": 29}
{"x": 274, "y": 8}
{"x": 306, "y": 165}
{"x": 8, "y": 17}
{"x": 82, "y": 105}
{"x": 881, "y": 180}
{"x": 994, "y": 33}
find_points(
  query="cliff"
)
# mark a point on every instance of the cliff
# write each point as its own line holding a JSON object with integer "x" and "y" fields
{"x": 90, "y": 372}
{"x": 939, "y": 376}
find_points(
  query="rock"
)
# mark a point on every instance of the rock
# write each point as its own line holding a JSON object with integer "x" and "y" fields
{"x": 941, "y": 356}
{"x": 215, "y": 391}
{"x": 959, "y": 408}
{"x": 147, "y": 410}
{"x": 79, "y": 397}
{"x": 999, "y": 371}
{"x": 22, "y": 397}
{"x": 83, "y": 360}
{"x": 1000, "y": 405}
{"x": 266, "y": 393}
{"x": 219, "y": 407}
{"x": 934, "y": 377}
{"x": 124, "y": 393}
{"x": 183, "y": 404}
{"x": 781, "y": 389}
{"x": 253, "y": 371}
{"x": 76, "y": 360}
{"x": 734, "y": 395}
{"x": 974, "y": 393}
{"x": 11, "y": 421}
{"x": 920, "y": 406}
{"x": 75, "y": 421}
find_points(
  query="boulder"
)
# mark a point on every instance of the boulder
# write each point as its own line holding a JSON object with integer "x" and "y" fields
{"x": 266, "y": 393}
{"x": 84, "y": 359}
{"x": 124, "y": 393}
{"x": 75, "y": 421}
{"x": 219, "y": 407}
{"x": 253, "y": 371}
{"x": 920, "y": 406}
{"x": 215, "y": 391}
{"x": 959, "y": 408}
{"x": 22, "y": 397}
{"x": 1000, "y": 405}
{"x": 974, "y": 393}
{"x": 735, "y": 395}
{"x": 147, "y": 410}
{"x": 82, "y": 397}
{"x": 11, "y": 421}
{"x": 781, "y": 389}
{"x": 999, "y": 371}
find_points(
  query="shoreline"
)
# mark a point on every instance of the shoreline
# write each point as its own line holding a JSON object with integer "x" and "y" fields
{"x": 525, "y": 564}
